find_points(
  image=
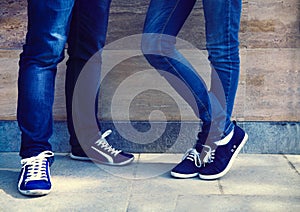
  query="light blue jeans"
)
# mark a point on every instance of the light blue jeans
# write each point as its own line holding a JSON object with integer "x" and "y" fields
{"x": 80, "y": 23}
{"x": 222, "y": 20}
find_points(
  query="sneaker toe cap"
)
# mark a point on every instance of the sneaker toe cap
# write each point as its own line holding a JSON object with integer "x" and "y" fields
{"x": 36, "y": 185}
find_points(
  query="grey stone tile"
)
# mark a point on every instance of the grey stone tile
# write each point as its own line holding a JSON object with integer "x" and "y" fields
{"x": 255, "y": 183}
{"x": 8, "y": 185}
{"x": 155, "y": 165}
{"x": 165, "y": 185}
{"x": 160, "y": 193}
{"x": 67, "y": 168}
{"x": 145, "y": 202}
{"x": 294, "y": 161}
{"x": 154, "y": 172}
{"x": 236, "y": 203}
{"x": 261, "y": 175}
{"x": 86, "y": 201}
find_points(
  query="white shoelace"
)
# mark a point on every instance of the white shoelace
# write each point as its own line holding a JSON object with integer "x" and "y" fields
{"x": 210, "y": 154}
{"x": 102, "y": 143}
{"x": 194, "y": 156}
{"x": 37, "y": 166}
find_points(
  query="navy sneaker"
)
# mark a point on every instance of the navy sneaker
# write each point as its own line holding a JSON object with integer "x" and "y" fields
{"x": 189, "y": 166}
{"x": 34, "y": 179}
{"x": 221, "y": 155}
{"x": 102, "y": 152}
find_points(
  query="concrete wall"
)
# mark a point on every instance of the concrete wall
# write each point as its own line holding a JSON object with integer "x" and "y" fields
{"x": 269, "y": 87}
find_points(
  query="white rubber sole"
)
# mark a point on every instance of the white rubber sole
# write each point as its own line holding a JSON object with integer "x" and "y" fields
{"x": 101, "y": 162}
{"x": 221, "y": 174}
{"x": 183, "y": 176}
{"x": 79, "y": 158}
{"x": 36, "y": 192}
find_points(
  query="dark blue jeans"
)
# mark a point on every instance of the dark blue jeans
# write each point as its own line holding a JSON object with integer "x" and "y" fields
{"x": 51, "y": 24}
{"x": 164, "y": 20}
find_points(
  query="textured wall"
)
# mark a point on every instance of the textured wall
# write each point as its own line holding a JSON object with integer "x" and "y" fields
{"x": 270, "y": 52}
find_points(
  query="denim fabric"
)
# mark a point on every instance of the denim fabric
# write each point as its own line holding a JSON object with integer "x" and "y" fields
{"x": 50, "y": 25}
{"x": 222, "y": 19}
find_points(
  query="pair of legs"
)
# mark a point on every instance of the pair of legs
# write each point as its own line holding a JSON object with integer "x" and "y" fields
{"x": 220, "y": 140}
{"x": 52, "y": 24}
{"x": 222, "y": 19}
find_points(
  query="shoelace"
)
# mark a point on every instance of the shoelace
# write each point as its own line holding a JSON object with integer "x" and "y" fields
{"x": 37, "y": 166}
{"x": 102, "y": 143}
{"x": 210, "y": 154}
{"x": 194, "y": 156}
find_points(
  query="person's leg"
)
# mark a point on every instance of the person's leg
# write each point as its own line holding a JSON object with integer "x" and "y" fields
{"x": 45, "y": 40}
{"x": 212, "y": 105}
{"x": 222, "y": 21}
{"x": 222, "y": 27}
{"x": 85, "y": 42}
{"x": 163, "y": 22}
{"x": 87, "y": 36}
{"x": 48, "y": 23}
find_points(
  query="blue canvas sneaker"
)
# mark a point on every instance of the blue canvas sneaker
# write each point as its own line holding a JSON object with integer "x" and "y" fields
{"x": 222, "y": 154}
{"x": 215, "y": 160}
{"x": 189, "y": 166}
{"x": 102, "y": 152}
{"x": 34, "y": 179}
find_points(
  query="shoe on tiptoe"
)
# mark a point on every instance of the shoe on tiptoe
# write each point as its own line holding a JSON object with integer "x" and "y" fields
{"x": 222, "y": 154}
{"x": 34, "y": 179}
{"x": 189, "y": 166}
{"x": 102, "y": 152}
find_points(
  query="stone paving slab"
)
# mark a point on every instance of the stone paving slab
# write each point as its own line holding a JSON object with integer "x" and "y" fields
{"x": 256, "y": 182}
{"x": 243, "y": 203}
{"x": 294, "y": 162}
{"x": 261, "y": 175}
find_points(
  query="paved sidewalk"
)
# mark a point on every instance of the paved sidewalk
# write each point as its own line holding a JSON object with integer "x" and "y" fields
{"x": 255, "y": 183}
